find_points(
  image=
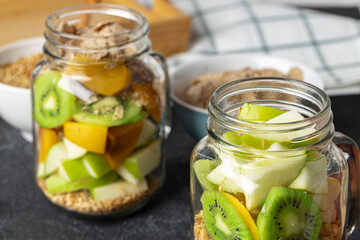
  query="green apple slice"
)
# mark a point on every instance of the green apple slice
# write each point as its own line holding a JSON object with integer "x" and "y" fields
{"x": 147, "y": 133}
{"x": 118, "y": 189}
{"x": 74, "y": 151}
{"x": 141, "y": 163}
{"x": 73, "y": 170}
{"x": 202, "y": 168}
{"x": 57, "y": 184}
{"x": 254, "y": 112}
{"x": 313, "y": 177}
{"x": 57, "y": 154}
{"x": 96, "y": 165}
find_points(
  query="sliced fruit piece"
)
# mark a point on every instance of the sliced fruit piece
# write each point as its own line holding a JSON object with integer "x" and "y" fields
{"x": 96, "y": 165}
{"x": 313, "y": 177}
{"x": 233, "y": 138}
{"x": 99, "y": 77}
{"x": 276, "y": 168}
{"x": 288, "y": 117}
{"x": 217, "y": 175}
{"x": 147, "y": 133}
{"x": 142, "y": 162}
{"x": 145, "y": 93}
{"x": 56, "y": 156}
{"x": 222, "y": 220}
{"x": 289, "y": 214}
{"x": 244, "y": 213}
{"x": 324, "y": 201}
{"x": 202, "y": 168}
{"x": 52, "y": 105}
{"x": 73, "y": 170}
{"x": 90, "y": 137}
{"x": 254, "y": 112}
{"x": 108, "y": 113}
{"x": 57, "y": 184}
{"x": 118, "y": 189}
{"x": 122, "y": 141}
{"x": 74, "y": 151}
{"x": 40, "y": 173}
{"x": 47, "y": 138}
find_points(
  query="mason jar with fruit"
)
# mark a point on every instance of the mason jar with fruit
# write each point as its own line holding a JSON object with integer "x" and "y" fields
{"x": 100, "y": 106}
{"x": 272, "y": 166}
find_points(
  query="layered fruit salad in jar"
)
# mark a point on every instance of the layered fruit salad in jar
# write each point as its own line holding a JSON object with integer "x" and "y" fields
{"x": 266, "y": 186}
{"x": 99, "y": 113}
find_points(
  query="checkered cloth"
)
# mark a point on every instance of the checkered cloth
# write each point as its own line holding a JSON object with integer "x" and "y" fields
{"x": 328, "y": 43}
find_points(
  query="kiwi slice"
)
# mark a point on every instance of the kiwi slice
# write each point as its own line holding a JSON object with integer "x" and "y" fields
{"x": 221, "y": 218}
{"x": 289, "y": 214}
{"x": 52, "y": 104}
{"x": 109, "y": 112}
{"x": 202, "y": 168}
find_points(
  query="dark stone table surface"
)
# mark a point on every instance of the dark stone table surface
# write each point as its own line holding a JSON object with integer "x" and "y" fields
{"x": 25, "y": 213}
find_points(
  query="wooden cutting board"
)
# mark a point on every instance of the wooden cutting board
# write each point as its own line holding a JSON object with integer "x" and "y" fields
{"x": 19, "y": 19}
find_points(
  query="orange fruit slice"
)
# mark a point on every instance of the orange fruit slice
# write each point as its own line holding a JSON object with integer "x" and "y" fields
{"x": 100, "y": 77}
{"x": 122, "y": 141}
{"x": 47, "y": 138}
{"x": 148, "y": 96}
{"x": 90, "y": 137}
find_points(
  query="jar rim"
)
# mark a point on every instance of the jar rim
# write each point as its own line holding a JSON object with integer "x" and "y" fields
{"x": 95, "y": 8}
{"x": 218, "y": 116}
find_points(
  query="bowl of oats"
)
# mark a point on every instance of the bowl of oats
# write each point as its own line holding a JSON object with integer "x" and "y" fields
{"x": 17, "y": 61}
{"x": 193, "y": 82}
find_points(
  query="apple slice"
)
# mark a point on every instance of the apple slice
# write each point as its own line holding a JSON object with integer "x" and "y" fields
{"x": 141, "y": 163}
{"x": 96, "y": 165}
{"x": 40, "y": 173}
{"x": 254, "y": 112}
{"x": 57, "y": 154}
{"x": 73, "y": 170}
{"x": 148, "y": 131}
{"x": 118, "y": 189}
{"x": 313, "y": 177}
{"x": 74, "y": 151}
{"x": 57, "y": 184}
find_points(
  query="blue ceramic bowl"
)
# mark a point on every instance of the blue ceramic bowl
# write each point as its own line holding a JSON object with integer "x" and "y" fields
{"x": 194, "y": 118}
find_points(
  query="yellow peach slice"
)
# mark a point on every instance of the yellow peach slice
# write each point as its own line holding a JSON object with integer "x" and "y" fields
{"x": 47, "y": 138}
{"x": 122, "y": 141}
{"x": 99, "y": 77}
{"x": 90, "y": 137}
{"x": 147, "y": 95}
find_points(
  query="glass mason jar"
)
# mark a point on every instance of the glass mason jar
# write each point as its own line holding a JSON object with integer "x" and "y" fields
{"x": 101, "y": 112}
{"x": 283, "y": 180}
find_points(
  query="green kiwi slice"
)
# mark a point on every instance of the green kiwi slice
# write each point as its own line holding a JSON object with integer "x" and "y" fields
{"x": 289, "y": 214}
{"x": 52, "y": 104}
{"x": 221, "y": 219}
{"x": 109, "y": 112}
{"x": 202, "y": 168}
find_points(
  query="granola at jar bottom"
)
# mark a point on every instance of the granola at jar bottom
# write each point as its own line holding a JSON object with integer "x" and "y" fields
{"x": 272, "y": 166}
{"x": 99, "y": 113}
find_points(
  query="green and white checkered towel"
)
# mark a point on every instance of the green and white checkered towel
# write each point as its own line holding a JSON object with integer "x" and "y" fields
{"x": 328, "y": 43}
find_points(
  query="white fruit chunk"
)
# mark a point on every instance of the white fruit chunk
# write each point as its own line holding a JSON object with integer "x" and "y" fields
{"x": 313, "y": 177}
{"x": 118, "y": 189}
{"x": 324, "y": 201}
{"x": 141, "y": 163}
{"x": 277, "y": 168}
{"x": 57, "y": 154}
{"x": 74, "y": 151}
{"x": 147, "y": 132}
{"x": 41, "y": 170}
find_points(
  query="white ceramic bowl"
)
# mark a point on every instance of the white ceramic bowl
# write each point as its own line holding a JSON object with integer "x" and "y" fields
{"x": 15, "y": 102}
{"x": 194, "y": 118}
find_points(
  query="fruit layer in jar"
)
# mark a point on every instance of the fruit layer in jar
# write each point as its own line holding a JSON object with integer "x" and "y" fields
{"x": 271, "y": 187}
{"x": 98, "y": 119}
